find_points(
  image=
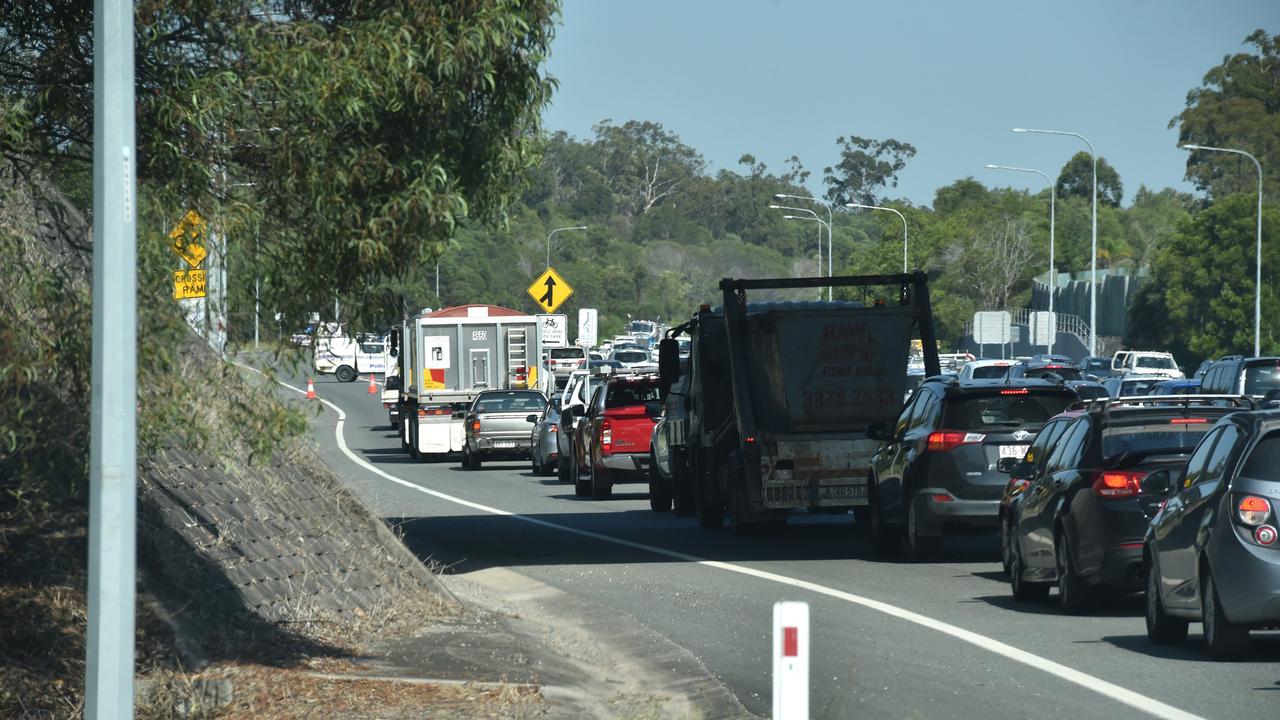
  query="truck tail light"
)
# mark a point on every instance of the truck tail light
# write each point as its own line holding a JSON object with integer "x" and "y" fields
{"x": 1116, "y": 484}
{"x": 606, "y": 436}
{"x": 948, "y": 440}
{"x": 1253, "y": 510}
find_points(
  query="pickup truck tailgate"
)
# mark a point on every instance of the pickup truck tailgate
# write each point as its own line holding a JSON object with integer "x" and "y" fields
{"x": 630, "y": 429}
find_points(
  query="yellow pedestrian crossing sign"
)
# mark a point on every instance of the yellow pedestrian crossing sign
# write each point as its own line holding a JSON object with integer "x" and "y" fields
{"x": 188, "y": 238}
{"x": 550, "y": 291}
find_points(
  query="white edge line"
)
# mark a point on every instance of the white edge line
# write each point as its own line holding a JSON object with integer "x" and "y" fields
{"x": 1088, "y": 682}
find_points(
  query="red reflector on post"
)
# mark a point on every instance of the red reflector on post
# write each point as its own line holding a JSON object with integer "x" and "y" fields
{"x": 790, "y": 642}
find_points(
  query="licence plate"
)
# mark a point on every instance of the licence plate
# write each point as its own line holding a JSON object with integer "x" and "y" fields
{"x": 842, "y": 491}
{"x": 504, "y": 443}
{"x": 1013, "y": 451}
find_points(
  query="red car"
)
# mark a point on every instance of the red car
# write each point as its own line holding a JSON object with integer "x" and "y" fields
{"x": 614, "y": 447}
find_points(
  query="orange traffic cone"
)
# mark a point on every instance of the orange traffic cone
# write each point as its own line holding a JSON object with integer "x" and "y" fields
{"x": 373, "y": 387}
{"x": 311, "y": 390}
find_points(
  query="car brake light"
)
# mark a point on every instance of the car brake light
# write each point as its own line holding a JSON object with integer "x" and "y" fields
{"x": 606, "y": 436}
{"x": 555, "y": 429}
{"x": 1188, "y": 421}
{"x": 948, "y": 440}
{"x": 1015, "y": 391}
{"x": 1253, "y": 510}
{"x": 475, "y": 425}
{"x": 1118, "y": 484}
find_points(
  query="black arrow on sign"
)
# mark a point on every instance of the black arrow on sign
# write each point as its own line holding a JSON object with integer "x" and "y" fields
{"x": 546, "y": 300}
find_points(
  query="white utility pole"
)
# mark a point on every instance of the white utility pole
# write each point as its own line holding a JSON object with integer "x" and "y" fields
{"x": 113, "y": 392}
{"x": 900, "y": 217}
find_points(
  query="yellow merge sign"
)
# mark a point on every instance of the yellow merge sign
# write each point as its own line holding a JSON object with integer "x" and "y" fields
{"x": 188, "y": 284}
{"x": 188, "y": 241}
{"x": 549, "y": 291}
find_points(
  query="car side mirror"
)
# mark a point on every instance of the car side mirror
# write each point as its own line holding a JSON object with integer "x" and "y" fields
{"x": 668, "y": 363}
{"x": 1157, "y": 483}
{"x": 392, "y": 383}
{"x": 653, "y": 410}
{"x": 879, "y": 431}
{"x": 569, "y": 412}
{"x": 531, "y": 418}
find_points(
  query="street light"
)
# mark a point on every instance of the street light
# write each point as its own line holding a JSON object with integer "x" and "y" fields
{"x": 904, "y": 227}
{"x": 553, "y": 232}
{"x": 830, "y": 254}
{"x": 809, "y": 215}
{"x": 1053, "y": 192}
{"x": 1257, "y": 280}
{"x": 1093, "y": 255}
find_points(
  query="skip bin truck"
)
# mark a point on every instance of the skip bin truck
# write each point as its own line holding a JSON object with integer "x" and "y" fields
{"x": 447, "y": 357}
{"x": 779, "y": 396}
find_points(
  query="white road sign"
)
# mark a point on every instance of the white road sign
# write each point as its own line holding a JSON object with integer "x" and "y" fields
{"x": 555, "y": 330}
{"x": 587, "y": 326}
{"x": 992, "y": 328}
{"x": 437, "y": 352}
{"x": 1042, "y": 324}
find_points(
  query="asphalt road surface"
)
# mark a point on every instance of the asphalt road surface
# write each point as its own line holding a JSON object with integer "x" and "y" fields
{"x": 889, "y": 639}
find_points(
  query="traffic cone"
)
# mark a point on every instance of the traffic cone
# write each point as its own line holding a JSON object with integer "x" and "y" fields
{"x": 373, "y": 386}
{"x": 311, "y": 389}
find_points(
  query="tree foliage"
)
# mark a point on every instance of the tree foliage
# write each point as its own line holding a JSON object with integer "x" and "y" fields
{"x": 865, "y": 168}
{"x": 1076, "y": 180}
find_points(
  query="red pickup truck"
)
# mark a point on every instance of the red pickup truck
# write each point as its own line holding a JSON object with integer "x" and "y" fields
{"x": 614, "y": 447}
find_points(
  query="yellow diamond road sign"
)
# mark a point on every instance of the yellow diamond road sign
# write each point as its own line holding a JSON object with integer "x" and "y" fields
{"x": 188, "y": 239}
{"x": 188, "y": 284}
{"x": 549, "y": 291}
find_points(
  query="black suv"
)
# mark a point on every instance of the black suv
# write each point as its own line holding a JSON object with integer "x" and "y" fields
{"x": 1212, "y": 554}
{"x": 937, "y": 467}
{"x": 1239, "y": 375}
{"x": 1081, "y": 521}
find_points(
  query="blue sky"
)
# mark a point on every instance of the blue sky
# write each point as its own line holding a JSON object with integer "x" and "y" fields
{"x": 780, "y": 77}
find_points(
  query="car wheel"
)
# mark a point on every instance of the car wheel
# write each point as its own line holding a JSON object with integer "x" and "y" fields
{"x": 581, "y": 486}
{"x": 1006, "y": 558}
{"x": 885, "y": 541}
{"x": 1162, "y": 629}
{"x": 1074, "y": 596}
{"x": 659, "y": 489}
{"x": 918, "y": 547}
{"x": 601, "y": 484}
{"x": 344, "y": 374}
{"x": 1223, "y": 639}
{"x": 1023, "y": 591}
{"x": 562, "y": 470}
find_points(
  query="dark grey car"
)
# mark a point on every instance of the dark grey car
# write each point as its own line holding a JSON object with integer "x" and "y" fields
{"x": 1212, "y": 553}
{"x": 544, "y": 442}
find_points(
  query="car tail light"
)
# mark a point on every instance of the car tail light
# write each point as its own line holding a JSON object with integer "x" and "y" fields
{"x": 475, "y": 426}
{"x": 555, "y": 429}
{"x": 1115, "y": 484}
{"x": 1253, "y": 510}
{"x": 1265, "y": 535}
{"x": 1188, "y": 421}
{"x": 606, "y": 436}
{"x": 948, "y": 440}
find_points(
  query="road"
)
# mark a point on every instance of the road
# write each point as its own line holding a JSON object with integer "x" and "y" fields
{"x": 935, "y": 640}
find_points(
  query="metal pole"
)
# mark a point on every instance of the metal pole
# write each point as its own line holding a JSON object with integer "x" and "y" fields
{"x": 900, "y": 217}
{"x": 1257, "y": 277}
{"x": 553, "y": 232}
{"x": 1053, "y": 192}
{"x": 113, "y": 398}
{"x": 257, "y": 312}
{"x": 830, "y": 241}
{"x": 810, "y": 215}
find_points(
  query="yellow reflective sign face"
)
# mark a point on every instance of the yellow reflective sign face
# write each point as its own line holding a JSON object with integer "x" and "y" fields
{"x": 188, "y": 239}
{"x": 188, "y": 284}
{"x": 549, "y": 291}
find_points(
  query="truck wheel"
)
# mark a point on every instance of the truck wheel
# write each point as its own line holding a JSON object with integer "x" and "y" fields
{"x": 683, "y": 499}
{"x": 344, "y": 374}
{"x": 709, "y": 505}
{"x": 659, "y": 489}
{"x": 601, "y": 484}
{"x": 404, "y": 434}
{"x": 413, "y": 440}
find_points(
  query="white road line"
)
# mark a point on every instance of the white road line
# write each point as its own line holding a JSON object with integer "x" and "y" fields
{"x": 1089, "y": 682}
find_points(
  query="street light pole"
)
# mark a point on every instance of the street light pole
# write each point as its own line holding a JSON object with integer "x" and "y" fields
{"x": 1257, "y": 278}
{"x": 1053, "y": 192}
{"x": 830, "y": 221}
{"x": 1093, "y": 255}
{"x": 810, "y": 215}
{"x": 904, "y": 227}
{"x": 553, "y": 232}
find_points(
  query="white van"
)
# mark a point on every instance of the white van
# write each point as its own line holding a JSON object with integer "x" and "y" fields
{"x": 346, "y": 357}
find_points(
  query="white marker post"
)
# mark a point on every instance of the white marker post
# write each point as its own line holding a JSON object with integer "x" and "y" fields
{"x": 791, "y": 661}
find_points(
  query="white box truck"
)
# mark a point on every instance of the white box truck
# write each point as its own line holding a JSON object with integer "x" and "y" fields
{"x": 449, "y": 356}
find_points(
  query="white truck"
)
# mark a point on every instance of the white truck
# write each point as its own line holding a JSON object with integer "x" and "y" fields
{"x": 446, "y": 358}
{"x": 346, "y": 357}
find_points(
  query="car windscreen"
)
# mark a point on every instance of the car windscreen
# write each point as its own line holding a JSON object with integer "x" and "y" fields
{"x": 1102, "y": 364}
{"x": 630, "y": 393}
{"x": 1066, "y": 373}
{"x": 1155, "y": 363}
{"x": 567, "y": 353}
{"x": 631, "y": 356}
{"x": 1264, "y": 461}
{"x": 1261, "y": 379}
{"x": 510, "y": 402}
{"x": 1172, "y": 436}
{"x": 990, "y": 372}
{"x": 1136, "y": 387}
{"x": 1008, "y": 409}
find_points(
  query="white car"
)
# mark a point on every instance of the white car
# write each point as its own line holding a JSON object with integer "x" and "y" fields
{"x": 1142, "y": 362}
{"x": 986, "y": 369}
